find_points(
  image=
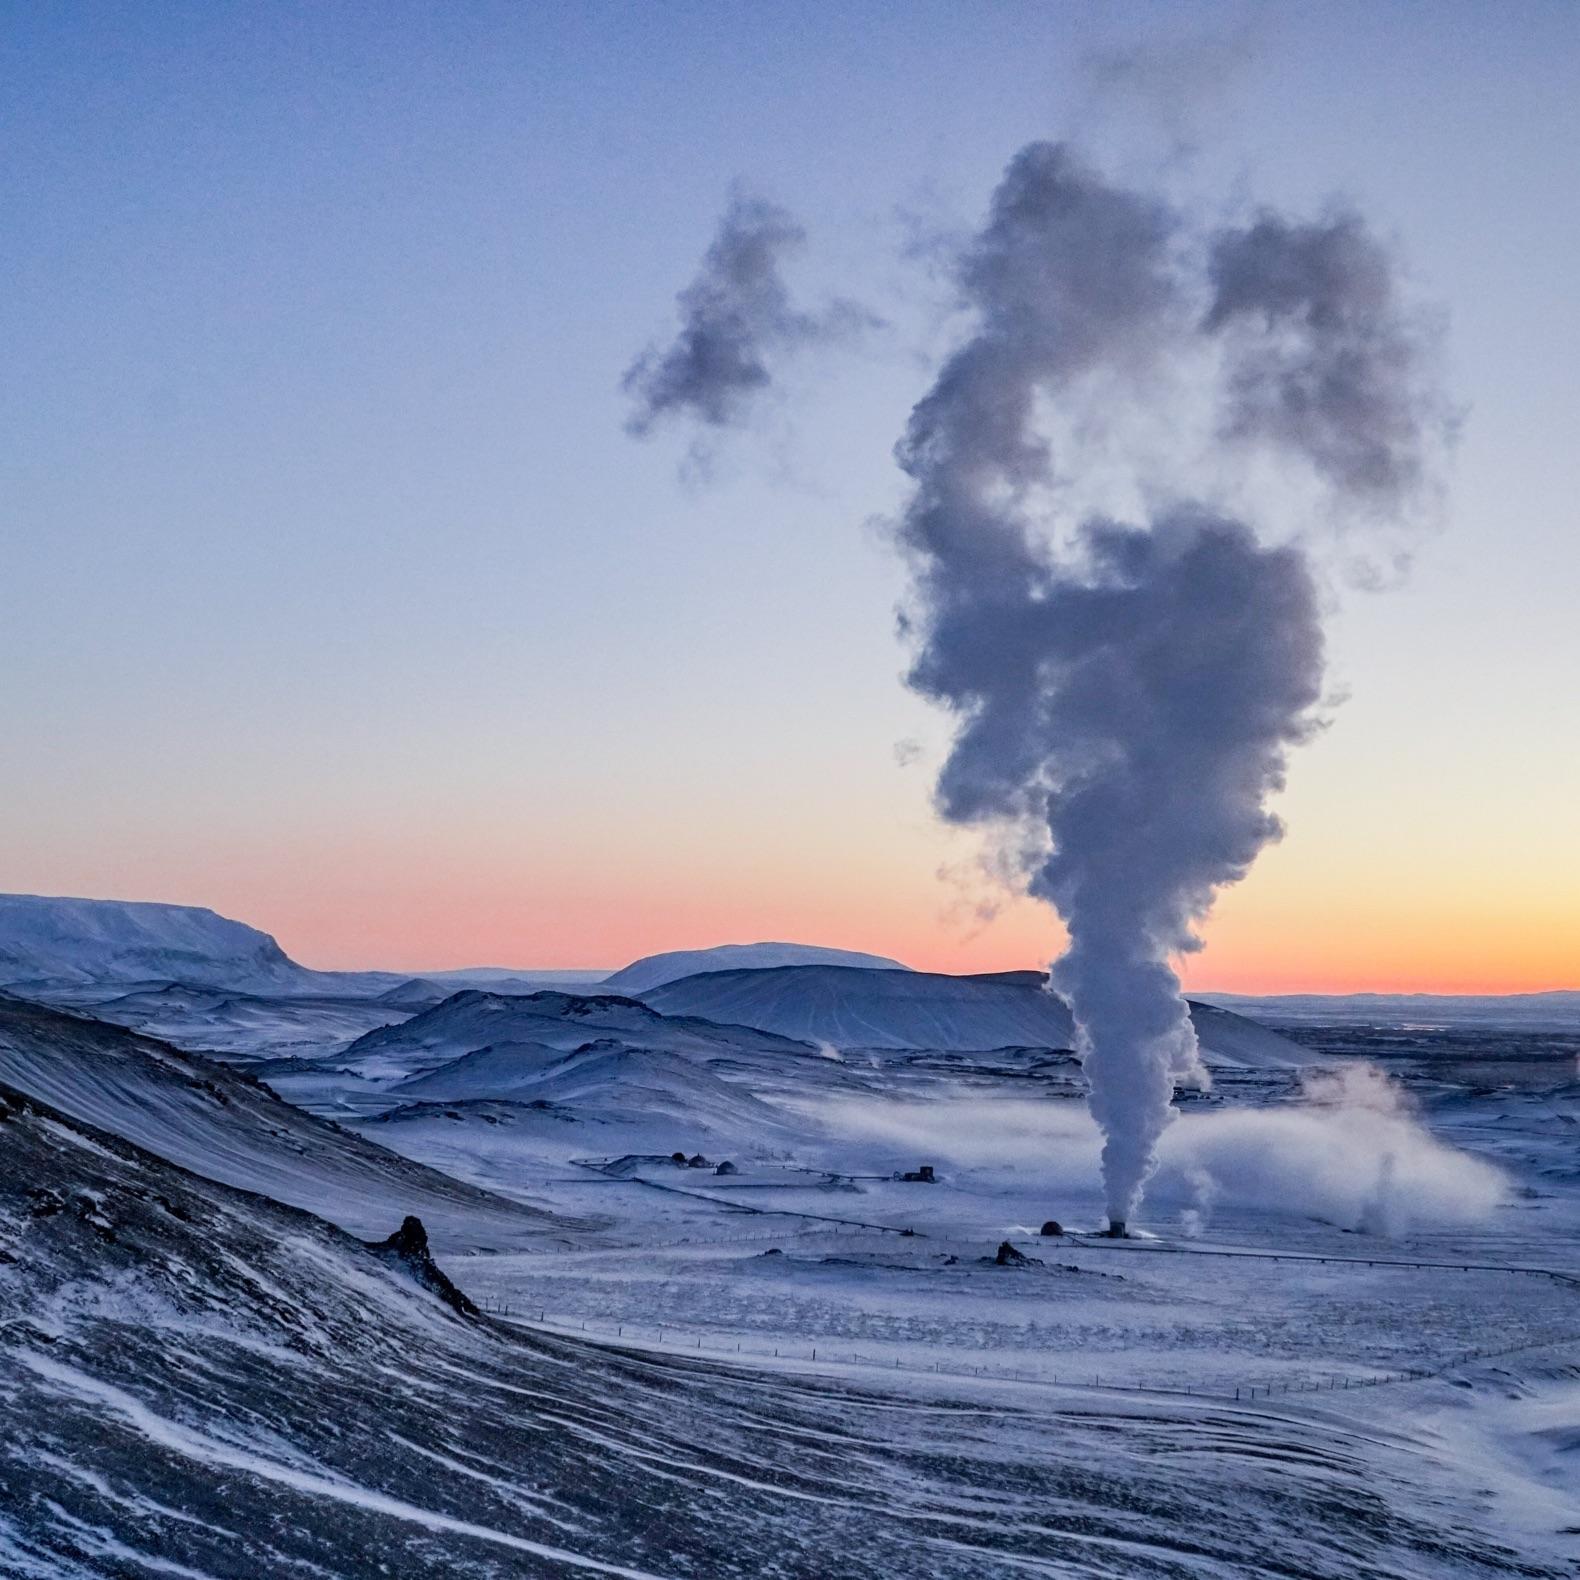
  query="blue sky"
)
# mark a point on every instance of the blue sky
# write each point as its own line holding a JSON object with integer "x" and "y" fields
{"x": 336, "y": 597}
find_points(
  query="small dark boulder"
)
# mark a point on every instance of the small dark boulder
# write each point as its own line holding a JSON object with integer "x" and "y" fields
{"x": 1008, "y": 1256}
{"x": 408, "y": 1250}
{"x": 1051, "y": 1227}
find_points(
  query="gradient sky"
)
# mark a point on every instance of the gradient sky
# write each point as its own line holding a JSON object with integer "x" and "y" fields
{"x": 334, "y": 596}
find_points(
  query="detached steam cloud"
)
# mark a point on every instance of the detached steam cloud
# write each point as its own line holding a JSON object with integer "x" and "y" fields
{"x": 1324, "y": 361}
{"x": 1133, "y": 690}
{"x": 737, "y": 319}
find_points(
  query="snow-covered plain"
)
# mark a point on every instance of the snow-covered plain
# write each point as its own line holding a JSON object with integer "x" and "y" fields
{"x": 1346, "y": 1342}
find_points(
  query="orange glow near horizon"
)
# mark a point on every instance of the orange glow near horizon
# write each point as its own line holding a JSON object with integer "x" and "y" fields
{"x": 1251, "y": 947}
{"x": 406, "y": 899}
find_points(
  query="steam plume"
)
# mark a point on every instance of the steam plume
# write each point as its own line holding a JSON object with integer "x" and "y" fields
{"x": 1133, "y": 691}
{"x": 737, "y": 317}
{"x": 1324, "y": 361}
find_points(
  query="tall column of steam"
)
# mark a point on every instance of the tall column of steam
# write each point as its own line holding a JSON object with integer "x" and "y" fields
{"x": 1133, "y": 690}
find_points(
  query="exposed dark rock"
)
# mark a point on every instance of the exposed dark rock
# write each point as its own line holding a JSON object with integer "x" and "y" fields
{"x": 1008, "y": 1256}
{"x": 408, "y": 1248}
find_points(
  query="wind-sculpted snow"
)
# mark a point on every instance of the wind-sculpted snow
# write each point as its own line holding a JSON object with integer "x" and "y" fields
{"x": 850, "y": 1008}
{"x": 197, "y": 1381}
{"x": 219, "y": 1122}
{"x": 655, "y": 970}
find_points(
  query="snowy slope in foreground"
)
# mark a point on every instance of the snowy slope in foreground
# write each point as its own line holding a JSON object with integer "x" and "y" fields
{"x": 198, "y": 1382}
{"x": 210, "y": 1118}
{"x": 654, "y": 970}
{"x": 852, "y": 1008}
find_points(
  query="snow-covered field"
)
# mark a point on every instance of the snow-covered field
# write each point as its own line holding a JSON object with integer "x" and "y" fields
{"x": 1345, "y": 1340}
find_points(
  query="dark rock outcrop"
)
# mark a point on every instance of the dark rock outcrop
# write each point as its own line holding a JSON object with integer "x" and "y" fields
{"x": 1008, "y": 1256}
{"x": 408, "y": 1249}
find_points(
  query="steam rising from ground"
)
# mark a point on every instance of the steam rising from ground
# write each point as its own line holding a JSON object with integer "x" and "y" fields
{"x": 1126, "y": 694}
{"x": 1350, "y": 1153}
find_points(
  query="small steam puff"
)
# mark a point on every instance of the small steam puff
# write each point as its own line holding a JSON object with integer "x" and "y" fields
{"x": 737, "y": 318}
{"x": 1350, "y": 1153}
{"x": 1131, "y": 692}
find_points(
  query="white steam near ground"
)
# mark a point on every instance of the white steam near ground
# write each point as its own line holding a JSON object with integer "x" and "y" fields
{"x": 1351, "y": 1153}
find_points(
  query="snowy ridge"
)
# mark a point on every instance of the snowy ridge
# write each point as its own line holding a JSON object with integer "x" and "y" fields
{"x": 854, "y": 1008}
{"x": 218, "y": 1122}
{"x": 44, "y": 939}
{"x": 1558, "y": 1010}
{"x": 654, "y": 970}
{"x": 607, "y": 1081}
{"x": 472, "y": 1020}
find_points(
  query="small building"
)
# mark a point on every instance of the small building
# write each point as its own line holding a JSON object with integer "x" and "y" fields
{"x": 696, "y": 1161}
{"x": 920, "y": 1176}
{"x": 726, "y": 1167}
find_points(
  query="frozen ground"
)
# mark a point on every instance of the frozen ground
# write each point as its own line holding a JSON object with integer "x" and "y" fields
{"x": 1348, "y": 1342}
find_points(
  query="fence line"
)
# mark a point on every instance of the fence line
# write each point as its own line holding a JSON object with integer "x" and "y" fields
{"x": 1227, "y": 1392}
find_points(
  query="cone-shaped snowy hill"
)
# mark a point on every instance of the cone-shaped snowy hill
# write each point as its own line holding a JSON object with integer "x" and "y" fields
{"x": 851, "y": 1007}
{"x": 196, "y": 1380}
{"x": 654, "y": 970}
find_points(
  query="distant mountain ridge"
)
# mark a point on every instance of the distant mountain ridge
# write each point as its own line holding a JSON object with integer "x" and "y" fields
{"x": 653, "y": 971}
{"x": 44, "y": 938}
{"x": 1554, "y": 1010}
{"x": 61, "y": 942}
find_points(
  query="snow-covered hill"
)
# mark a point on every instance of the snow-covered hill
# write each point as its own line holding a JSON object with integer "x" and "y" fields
{"x": 605, "y": 1080}
{"x": 472, "y": 1020}
{"x": 49, "y": 940}
{"x": 854, "y": 1008}
{"x": 654, "y": 970}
